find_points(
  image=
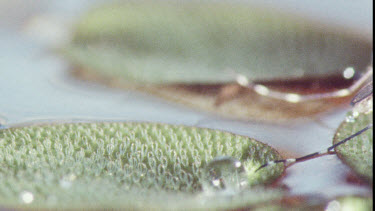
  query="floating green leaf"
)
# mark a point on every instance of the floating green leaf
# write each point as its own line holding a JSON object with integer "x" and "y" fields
{"x": 358, "y": 152}
{"x": 188, "y": 52}
{"x": 351, "y": 203}
{"x": 137, "y": 165}
{"x": 207, "y": 43}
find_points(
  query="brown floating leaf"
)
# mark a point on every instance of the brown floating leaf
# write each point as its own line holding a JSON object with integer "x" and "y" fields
{"x": 239, "y": 102}
{"x": 172, "y": 49}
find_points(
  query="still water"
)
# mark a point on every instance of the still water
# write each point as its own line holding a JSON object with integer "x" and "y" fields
{"x": 35, "y": 85}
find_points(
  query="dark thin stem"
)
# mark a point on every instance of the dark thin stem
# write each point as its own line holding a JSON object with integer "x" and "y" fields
{"x": 315, "y": 154}
{"x": 306, "y": 157}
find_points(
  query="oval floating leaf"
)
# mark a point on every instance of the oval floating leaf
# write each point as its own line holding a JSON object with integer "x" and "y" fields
{"x": 207, "y": 43}
{"x": 189, "y": 52}
{"x": 351, "y": 203}
{"x": 122, "y": 165}
{"x": 357, "y": 152}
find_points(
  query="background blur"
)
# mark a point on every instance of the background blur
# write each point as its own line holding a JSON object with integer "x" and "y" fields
{"x": 36, "y": 86}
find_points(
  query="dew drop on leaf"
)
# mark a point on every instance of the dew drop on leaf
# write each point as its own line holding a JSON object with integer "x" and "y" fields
{"x": 349, "y": 119}
{"x": 224, "y": 173}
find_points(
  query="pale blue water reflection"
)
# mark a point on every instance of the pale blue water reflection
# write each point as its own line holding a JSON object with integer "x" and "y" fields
{"x": 35, "y": 85}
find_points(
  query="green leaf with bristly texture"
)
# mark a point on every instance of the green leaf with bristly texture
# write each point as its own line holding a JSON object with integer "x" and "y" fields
{"x": 357, "y": 152}
{"x": 356, "y": 203}
{"x": 125, "y": 165}
{"x": 208, "y": 43}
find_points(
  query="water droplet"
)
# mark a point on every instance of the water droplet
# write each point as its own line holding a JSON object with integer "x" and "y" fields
{"x": 349, "y": 119}
{"x": 27, "y": 197}
{"x": 355, "y": 114}
{"x": 333, "y": 206}
{"x": 224, "y": 173}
